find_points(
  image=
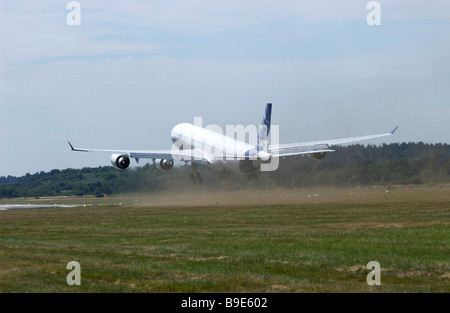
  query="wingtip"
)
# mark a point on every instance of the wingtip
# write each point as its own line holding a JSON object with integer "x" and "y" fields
{"x": 71, "y": 147}
{"x": 393, "y": 131}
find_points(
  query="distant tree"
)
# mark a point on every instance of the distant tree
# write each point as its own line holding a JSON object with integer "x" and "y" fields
{"x": 405, "y": 163}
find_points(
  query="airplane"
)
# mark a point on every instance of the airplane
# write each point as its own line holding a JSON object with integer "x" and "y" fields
{"x": 198, "y": 145}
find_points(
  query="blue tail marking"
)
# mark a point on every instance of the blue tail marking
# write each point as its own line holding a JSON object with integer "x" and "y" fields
{"x": 264, "y": 129}
{"x": 267, "y": 117}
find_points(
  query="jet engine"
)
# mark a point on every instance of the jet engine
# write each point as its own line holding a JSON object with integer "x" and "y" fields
{"x": 163, "y": 164}
{"x": 317, "y": 155}
{"x": 120, "y": 161}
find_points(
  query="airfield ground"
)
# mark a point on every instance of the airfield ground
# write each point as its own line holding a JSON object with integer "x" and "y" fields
{"x": 301, "y": 240}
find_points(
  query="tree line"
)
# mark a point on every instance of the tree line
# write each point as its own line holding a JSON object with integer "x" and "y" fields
{"x": 405, "y": 163}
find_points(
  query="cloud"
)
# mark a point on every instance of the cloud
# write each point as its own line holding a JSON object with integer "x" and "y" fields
{"x": 34, "y": 30}
{"x": 134, "y": 69}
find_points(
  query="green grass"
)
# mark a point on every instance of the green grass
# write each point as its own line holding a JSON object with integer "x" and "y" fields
{"x": 303, "y": 244}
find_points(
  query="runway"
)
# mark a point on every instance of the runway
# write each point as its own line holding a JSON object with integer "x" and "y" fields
{"x": 36, "y": 206}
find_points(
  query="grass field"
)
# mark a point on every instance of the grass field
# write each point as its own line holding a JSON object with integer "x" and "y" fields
{"x": 306, "y": 240}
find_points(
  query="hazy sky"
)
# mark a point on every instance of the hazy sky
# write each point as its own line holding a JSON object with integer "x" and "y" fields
{"x": 134, "y": 69}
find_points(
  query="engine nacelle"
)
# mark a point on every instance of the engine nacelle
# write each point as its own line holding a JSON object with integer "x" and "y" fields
{"x": 164, "y": 164}
{"x": 120, "y": 161}
{"x": 318, "y": 155}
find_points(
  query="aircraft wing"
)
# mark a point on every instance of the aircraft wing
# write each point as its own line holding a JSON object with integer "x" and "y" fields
{"x": 194, "y": 155}
{"x": 292, "y": 149}
{"x": 180, "y": 155}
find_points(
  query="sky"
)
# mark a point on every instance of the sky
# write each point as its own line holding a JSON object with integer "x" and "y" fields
{"x": 133, "y": 69}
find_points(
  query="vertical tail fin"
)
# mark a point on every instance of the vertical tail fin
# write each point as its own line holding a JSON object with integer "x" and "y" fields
{"x": 264, "y": 128}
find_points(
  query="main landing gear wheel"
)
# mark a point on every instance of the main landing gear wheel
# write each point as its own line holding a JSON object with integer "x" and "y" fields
{"x": 252, "y": 177}
{"x": 195, "y": 175}
{"x": 225, "y": 174}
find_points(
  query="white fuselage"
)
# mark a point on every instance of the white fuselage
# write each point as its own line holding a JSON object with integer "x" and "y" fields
{"x": 207, "y": 144}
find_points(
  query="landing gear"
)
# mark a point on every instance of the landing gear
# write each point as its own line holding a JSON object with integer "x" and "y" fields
{"x": 196, "y": 178}
{"x": 252, "y": 177}
{"x": 225, "y": 174}
{"x": 195, "y": 175}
